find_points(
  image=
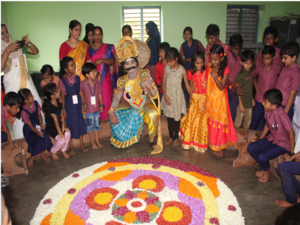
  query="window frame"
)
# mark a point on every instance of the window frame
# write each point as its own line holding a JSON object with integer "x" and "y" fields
{"x": 241, "y": 7}
{"x": 142, "y": 21}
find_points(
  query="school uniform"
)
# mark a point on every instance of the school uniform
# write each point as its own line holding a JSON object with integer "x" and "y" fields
{"x": 289, "y": 80}
{"x": 276, "y": 143}
{"x": 277, "y": 61}
{"x": 4, "y": 117}
{"x": 234, "y": 65}
{"x": 266, "y": 80}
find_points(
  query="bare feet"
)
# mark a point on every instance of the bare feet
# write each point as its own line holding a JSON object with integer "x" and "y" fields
{"x": 84, "y": 149}
{"x": 219, "y": 153}
{"x": 265, "y": 177}
{"x": 99, "y": 145}
{"x": 54, "y": 156}
{"x": 259, "y": 173}
{"x": 30, "y": 161}
{"x": 176, "y": 142}
{"x": 71, "y": 148}
{"x": 66, "y": 156}
{"x": 45, "y": 158}
{"x": 283, "y": 203}
{"x": 169, "y": 141}
{"x": 94, "y": 146}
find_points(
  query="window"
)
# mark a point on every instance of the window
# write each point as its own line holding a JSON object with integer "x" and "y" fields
{"x": 137, "y": 17}
{"x": 242, "y": 20}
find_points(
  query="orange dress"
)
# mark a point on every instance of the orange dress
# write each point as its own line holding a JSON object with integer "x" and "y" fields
{"x": 193, "y": 127}
{"x": 221, "y": 131}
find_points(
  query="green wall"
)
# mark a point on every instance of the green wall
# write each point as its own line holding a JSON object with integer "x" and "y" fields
{"x": 46, "y": 23}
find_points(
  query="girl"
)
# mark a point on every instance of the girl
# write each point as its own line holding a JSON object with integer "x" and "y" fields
{"x": 55, "y": 122}
{"x": 220, "y": 126}
{"x": 153, "y": 41}
{"x": 126, "y": 31}
{"x": 72, "y": 107}
{"x": 34, "y": 130}
{"x": 89, "y": 37}
{"x": 173, "y": 103}
{"x": 193, "y": 126}
{"x": 48, "y": 76}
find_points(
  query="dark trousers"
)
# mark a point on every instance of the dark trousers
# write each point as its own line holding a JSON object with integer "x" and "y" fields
{"x": 263, "y": 150}
{"x": 291, "y": 186}
{"x": 258, "y": 122}
{"x": 173, "y": 127}
{"x": 291, "y": 112}
{"x": 233, "y": 102}
{"x": 3, "y": 136}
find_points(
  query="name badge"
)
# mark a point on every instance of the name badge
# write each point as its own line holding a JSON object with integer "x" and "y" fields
{"x": 75, "y": 99}
{"x": 38, "y": 127}
{"x": 93, "y": 100}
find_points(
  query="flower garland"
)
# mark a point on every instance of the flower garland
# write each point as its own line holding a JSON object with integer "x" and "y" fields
{"x": 141, "y": 190}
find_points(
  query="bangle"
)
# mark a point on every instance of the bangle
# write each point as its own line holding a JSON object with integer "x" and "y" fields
{"x": 290, "y": 153}
{"x": 85, "y": 106}
{"x": 63, "y": 110}
{"x": 111, "y": 110}
{"x": 102, "y": 105}
{"x": 29, "y": 44}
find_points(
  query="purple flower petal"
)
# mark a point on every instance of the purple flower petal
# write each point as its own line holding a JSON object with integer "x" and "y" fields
{"x": 200, "y": 184}
{"x": 121, "y": 211}
{"x": 143, "y": 216}
{"x": 112, "y": 169}
{"x": 130, "y": 195}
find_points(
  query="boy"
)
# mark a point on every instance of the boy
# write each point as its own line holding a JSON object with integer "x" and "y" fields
{"x": 289, "y": 80}
{"x": 92, "y": 93}
{"x": 213, "y": 35}
{"x": 267, "y": 79}
{"x": 159, "y": 67}
{"x": 270, "y": 39}
{"x": 281, "y": 139}
{"x": 245, "y": 81}
{"x": 11, "y": 104}
{"x": 234, "y": 65}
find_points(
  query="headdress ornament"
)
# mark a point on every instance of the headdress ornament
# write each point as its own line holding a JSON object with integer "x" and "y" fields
{"x": 126, "y": 48}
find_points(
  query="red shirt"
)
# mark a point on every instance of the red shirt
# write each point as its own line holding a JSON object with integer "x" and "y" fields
{"x": 266, "y": 80}
{"x": 159, "y": 73}
{"x": 71, "y": 80}
{"x": 277, "y": 60}
{"x": 234, "y": 65}
{"x": 279, "y": 124}
{"x": 24, "y": 115}
{"x": 207, "y": 51}
{"x": 88, "y": 91}
{"x": 199, "y": 82}
{"x": 65, "y": 49}
{"x": 4, "y": 116}
{"x": 289, "y": 80}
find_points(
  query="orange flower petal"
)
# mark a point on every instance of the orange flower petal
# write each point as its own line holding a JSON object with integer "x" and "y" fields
{"x": 108, "y": 165}
{"x": 152, "y": 209}
{"x": 142, "y": 195}
{"x": 72, "y": 219}
{"x": 130, "y": 217}
{"x": 189, "y": 189}
{"x": 46, "y": 220}
{"x": 211, "y": 182}
{"x": 121, "y": 202}
{"x": 116, "y": 176}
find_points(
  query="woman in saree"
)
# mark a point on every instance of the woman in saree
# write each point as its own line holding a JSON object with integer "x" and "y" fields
{"x": 14, "y": 66}
{"x": 103, "y": 56}
{"x": 74, "y": 48}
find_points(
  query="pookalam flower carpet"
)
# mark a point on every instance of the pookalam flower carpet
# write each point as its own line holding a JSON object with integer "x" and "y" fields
{"x": 140, "y": 190}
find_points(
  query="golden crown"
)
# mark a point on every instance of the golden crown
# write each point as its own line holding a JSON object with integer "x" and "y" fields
{"x": 126, "y": 48}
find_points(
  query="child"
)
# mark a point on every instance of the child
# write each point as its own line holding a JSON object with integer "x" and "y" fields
{"x": 173, "y": 103}
{"x": 159, "y": 68}
{"x": 213, "y": 35}
{"x": 193, "y": 126}
{"x": 126, "y": 31}
{"x": 220, "y": 126}
{"x": 48, "y": 76}
{"x": 281, "y": 138}
{"x": 56, "y": 127}
{"x": 234, "y": 65}
{"x": 270, "y": 39}
{"x": 34, "y": 130}
{"x": 267, "y": 79}
{"x": 289, "y": 80}
{"x": 11, "y": 104}
{"x": 92, "y": 94}
{"x": 245, "y": 81}
{"x": 72, "y": 108}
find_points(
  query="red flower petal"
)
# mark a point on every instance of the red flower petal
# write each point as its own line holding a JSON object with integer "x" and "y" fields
{"x": 231, "y": 208}
{"x": 130, "y": 195}
{"x": 121, "y": 211}
{"x": 71, "y": 191}
{"x": 143, "y": 216}
{"x": 151, "y": 200}
{"x": 47, "y": 201}
{"x": 75, "y": 175}
{"x": 214, "y": 221}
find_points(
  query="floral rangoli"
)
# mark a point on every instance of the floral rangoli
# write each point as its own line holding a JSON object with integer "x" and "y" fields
{"x": 142, "y": 190}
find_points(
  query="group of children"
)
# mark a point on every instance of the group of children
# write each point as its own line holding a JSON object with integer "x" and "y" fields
{"x": 66, "y": 101}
